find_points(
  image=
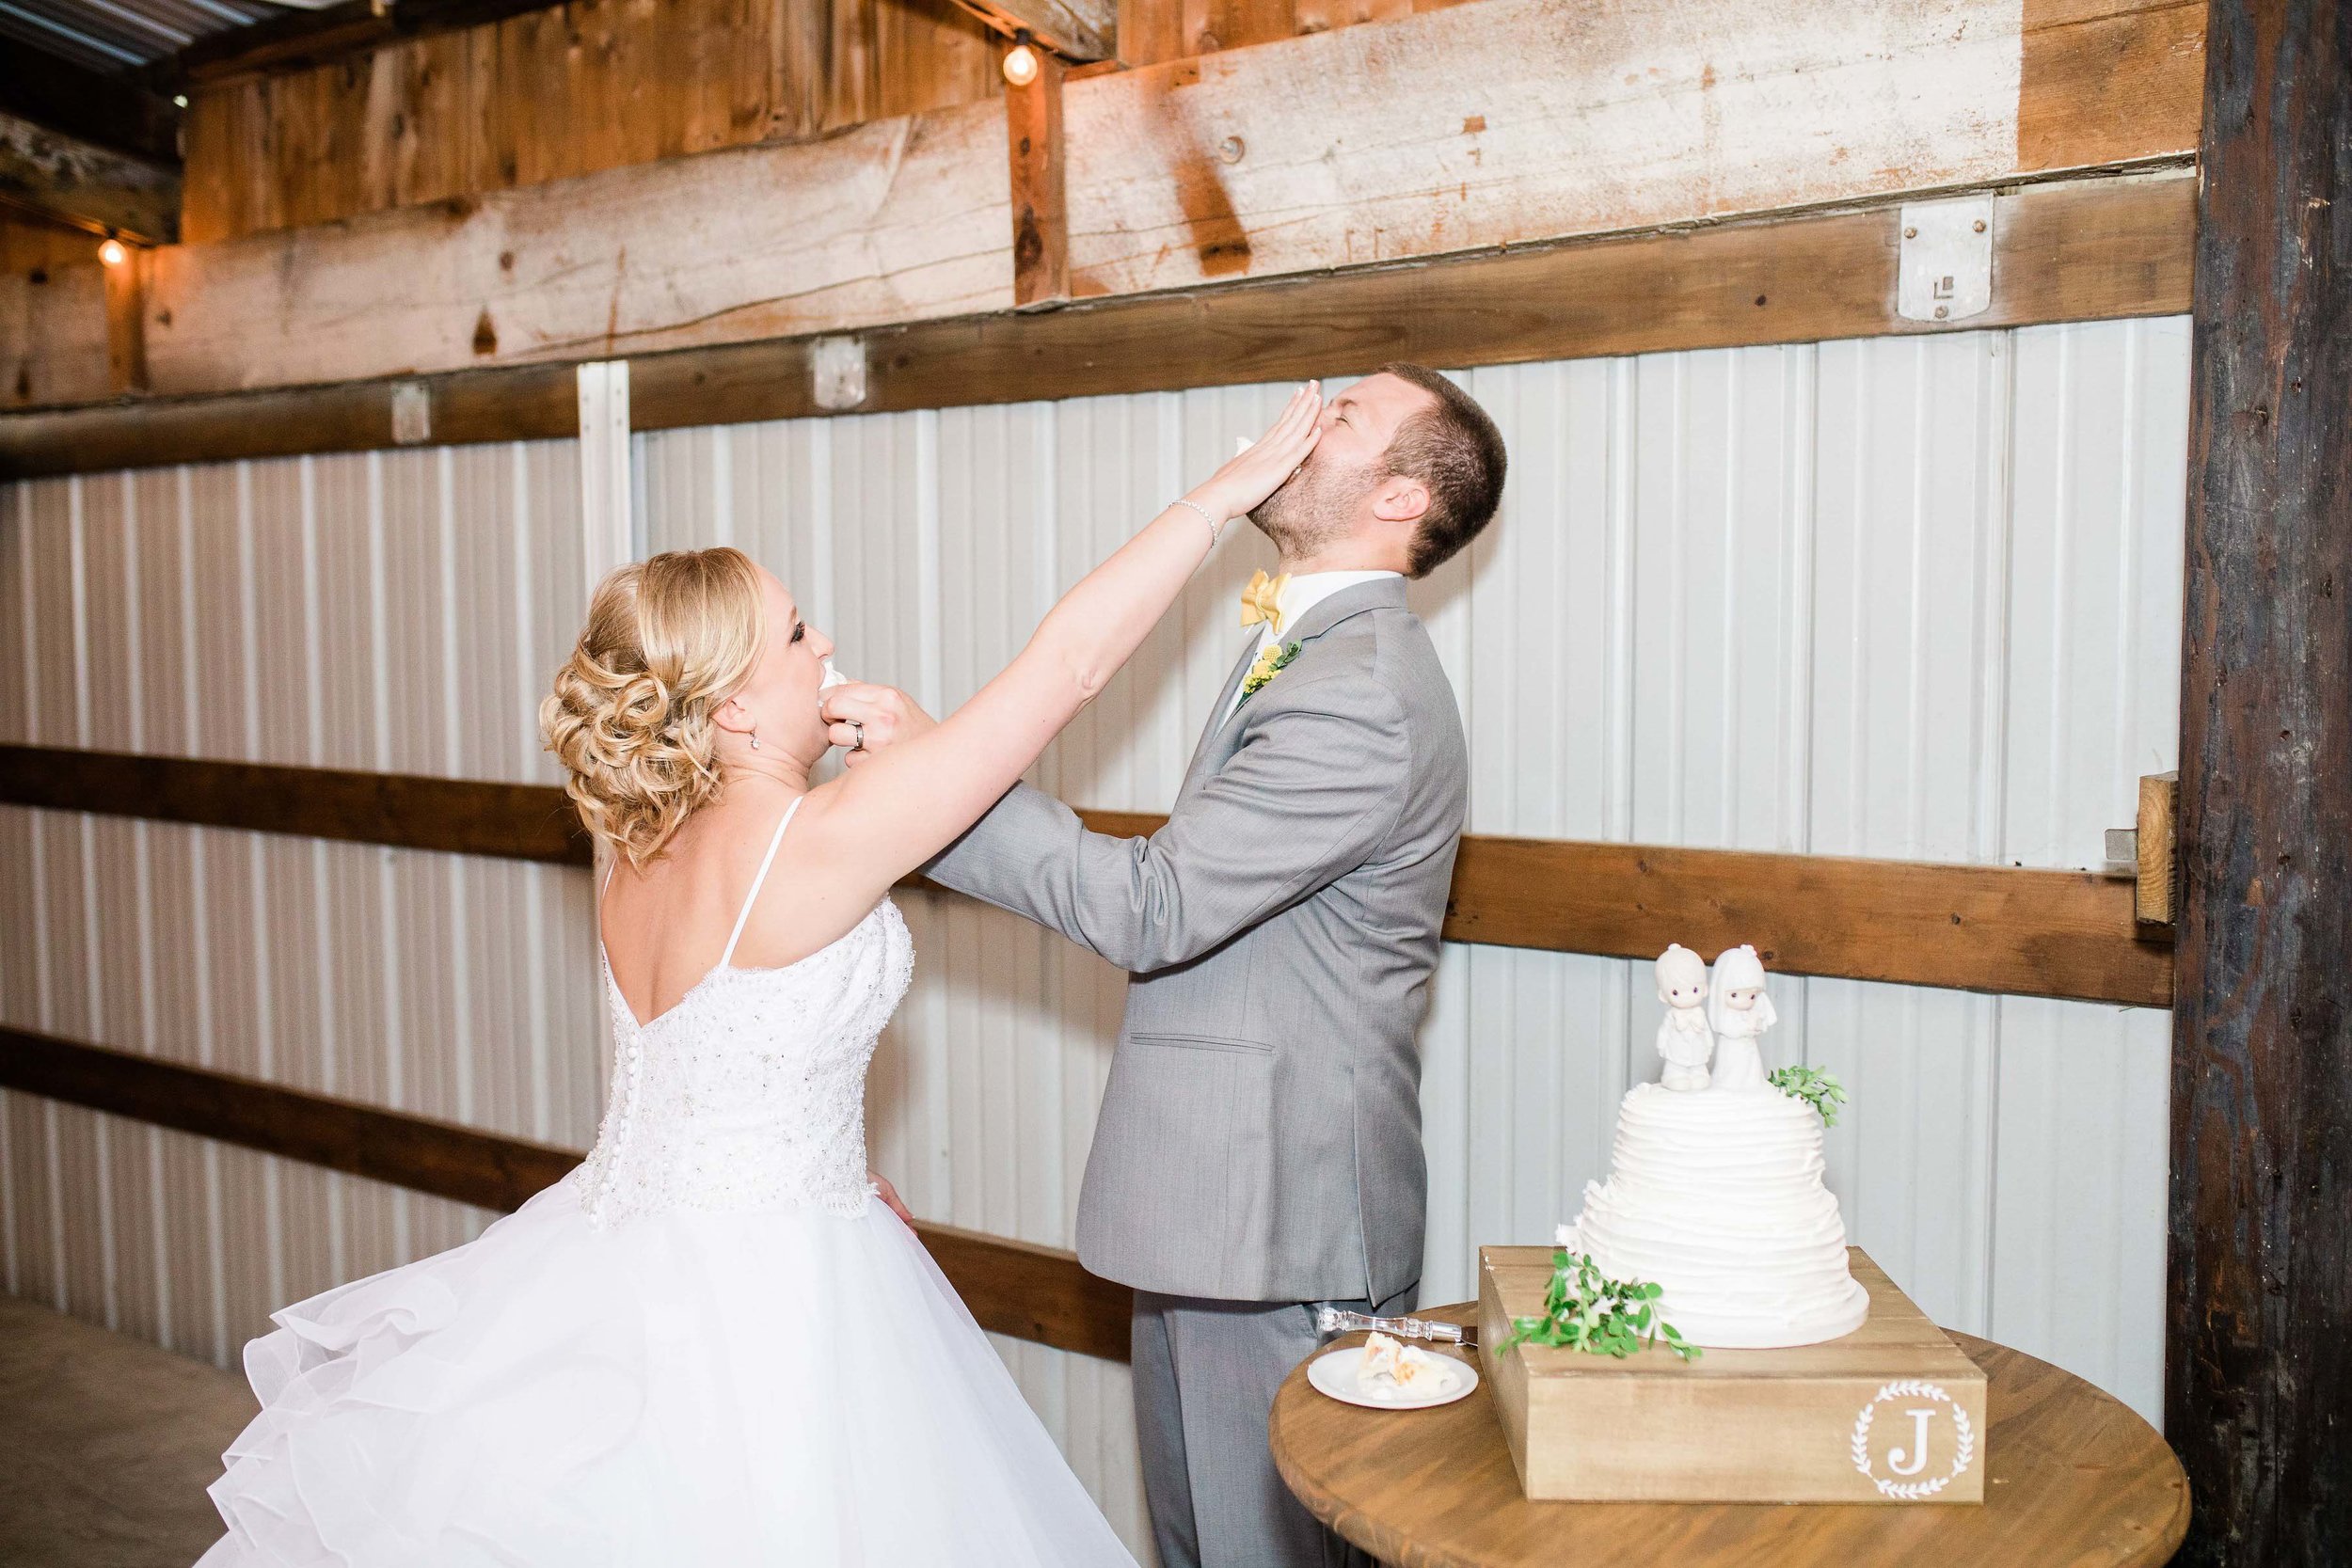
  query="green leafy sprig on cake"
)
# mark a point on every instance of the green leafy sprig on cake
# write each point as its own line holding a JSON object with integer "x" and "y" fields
{"x": 1583, "y": 1311}
{"x": 1819, "y": 1089}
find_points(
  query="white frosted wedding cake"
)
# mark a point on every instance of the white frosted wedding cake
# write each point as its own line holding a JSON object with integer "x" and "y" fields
{"x": 1714, "y": 1191}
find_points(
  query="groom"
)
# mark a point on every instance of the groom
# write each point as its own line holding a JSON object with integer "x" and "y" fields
{"x": 1259, "y": 1148}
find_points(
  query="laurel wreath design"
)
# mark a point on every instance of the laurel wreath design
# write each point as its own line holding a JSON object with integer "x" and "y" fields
{"x": 1912, "y": 1491}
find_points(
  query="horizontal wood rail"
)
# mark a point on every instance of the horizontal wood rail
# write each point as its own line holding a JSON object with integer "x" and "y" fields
{"x": 2085, "y": 250}
{"x": 1997, "y": 929}
{"x": 1030, "y": 1293}
{"x": 463, "y": 817}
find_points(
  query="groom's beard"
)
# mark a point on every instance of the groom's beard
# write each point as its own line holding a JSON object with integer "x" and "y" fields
{"x": 1313, "y": 507}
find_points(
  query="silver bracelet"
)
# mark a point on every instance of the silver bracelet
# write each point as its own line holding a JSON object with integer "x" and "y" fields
{"x": 1217, "y": 530}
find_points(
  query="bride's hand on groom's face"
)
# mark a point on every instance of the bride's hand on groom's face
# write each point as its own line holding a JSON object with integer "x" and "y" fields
{"x": 1250, "y": 477}
{"x": 877, "y": 716}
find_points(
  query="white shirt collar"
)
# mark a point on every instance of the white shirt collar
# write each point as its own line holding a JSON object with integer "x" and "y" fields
{"x": 1309, "y": 589}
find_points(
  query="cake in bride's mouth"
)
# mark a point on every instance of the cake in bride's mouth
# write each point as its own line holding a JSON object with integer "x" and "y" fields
{"x": 1715, "y": 1189}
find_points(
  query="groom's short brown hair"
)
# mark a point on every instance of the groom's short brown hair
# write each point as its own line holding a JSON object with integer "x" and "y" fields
{"x": 1454, "y": 449}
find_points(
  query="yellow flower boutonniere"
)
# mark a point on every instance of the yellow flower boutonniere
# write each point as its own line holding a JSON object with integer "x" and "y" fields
{"x": 1270, "y": 663}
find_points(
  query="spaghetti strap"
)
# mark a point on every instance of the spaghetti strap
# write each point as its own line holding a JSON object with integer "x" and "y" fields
{"x": 752, "y": 897}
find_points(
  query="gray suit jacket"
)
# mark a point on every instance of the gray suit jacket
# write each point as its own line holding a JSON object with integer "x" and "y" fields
{"x": 1260, "y": 1137}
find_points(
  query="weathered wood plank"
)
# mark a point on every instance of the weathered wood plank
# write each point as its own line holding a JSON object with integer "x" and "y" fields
{"x": 2104, "y": 83}
{"x": 529, "y": 403}
{"x": 892, "y": 220}
{"x": 94, "y": 186}
{"x": 2092, "y": 251}
{"x": 1073, "y": 29}
{"x": 1978, "y": 927}
{"x": 2156, "y": 840}
{"x": 2259, "y": 1349}
{"x": 55, "y": 346}
{"x": 1039, "y": 160}
{"x": 1028, "y": 1292}
{"x": 1496, "y": 124}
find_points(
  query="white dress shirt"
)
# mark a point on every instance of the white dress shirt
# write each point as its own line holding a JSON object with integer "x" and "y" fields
{"x": 1299, "y": 595}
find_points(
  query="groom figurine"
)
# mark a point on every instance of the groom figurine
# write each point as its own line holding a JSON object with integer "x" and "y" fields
{"x": 1259, "y": 1148}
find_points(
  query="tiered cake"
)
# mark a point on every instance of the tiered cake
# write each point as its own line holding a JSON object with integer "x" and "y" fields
{"x": 1716, "y": 1196}
{"x": 1714, "y": 1190}
{"x": 1821, "y": 1381}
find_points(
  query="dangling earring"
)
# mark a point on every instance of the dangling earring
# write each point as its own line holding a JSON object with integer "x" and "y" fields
{"x": 755, "y": 738}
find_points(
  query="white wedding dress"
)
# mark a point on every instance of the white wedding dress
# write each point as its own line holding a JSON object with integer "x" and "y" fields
{"x": 711, "y": 1344}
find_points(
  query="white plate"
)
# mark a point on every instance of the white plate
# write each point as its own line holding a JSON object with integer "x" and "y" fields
{"x": 1334, "y": 1373}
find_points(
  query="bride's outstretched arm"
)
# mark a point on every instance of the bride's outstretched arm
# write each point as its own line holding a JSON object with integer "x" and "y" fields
{"x": 901, "y": 807}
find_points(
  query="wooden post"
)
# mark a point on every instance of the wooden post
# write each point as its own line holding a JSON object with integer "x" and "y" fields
{"x": 1041, "y": 222}
{"x": 126, "y": 320}
{"x": 2259, "y": 1356}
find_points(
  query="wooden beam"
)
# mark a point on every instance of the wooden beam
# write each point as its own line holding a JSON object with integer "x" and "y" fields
{"x": 527, "y": 404}
{"x": 2089, "y": 250}
{"x": 126, "y": 320}
{"x": 462, "y": 1164}
{"x": 1974, "y": 928}
{"x": 1015, "y": 1287}
{"x": 74, "y": 101}
{"x": 1077, "y": 30}
{"x": 90, "y": 186}
{"x": 1040, "y": 199}
{"x": 463, "y": 817}
{"x": 2156, "y": 845}
{"x": 1498, "y": 124}
{"x": 2259, "y": 1343}
{"x": 56, "y": 338}
{"x": 1033, "y": 1292}
{"x": 299, "y": 40}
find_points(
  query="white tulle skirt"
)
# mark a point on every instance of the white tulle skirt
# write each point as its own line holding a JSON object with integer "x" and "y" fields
{"x": 685, "y": 1388}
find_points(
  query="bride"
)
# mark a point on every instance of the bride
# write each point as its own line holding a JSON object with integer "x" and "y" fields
{"x": 715, "y": 1342}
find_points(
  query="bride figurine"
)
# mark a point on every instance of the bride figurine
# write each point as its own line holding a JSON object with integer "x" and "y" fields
{"x": 1683, "y": 1038}
{"x": 1740, "y": 1012}
{"x": 717, "y": 1342}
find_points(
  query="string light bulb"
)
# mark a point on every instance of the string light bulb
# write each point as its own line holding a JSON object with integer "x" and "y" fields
{"x": 1021, "y": 62}
{"x": 114, "y": 253}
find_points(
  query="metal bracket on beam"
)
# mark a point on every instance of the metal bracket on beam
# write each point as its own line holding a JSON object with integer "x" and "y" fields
{"x": 837, "y": 368}
{"x": 1945, "y": 272}
{"x": 412, "y": 413}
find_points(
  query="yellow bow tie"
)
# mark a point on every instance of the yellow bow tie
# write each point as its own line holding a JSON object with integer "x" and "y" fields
{"x": 1262, "y": 601}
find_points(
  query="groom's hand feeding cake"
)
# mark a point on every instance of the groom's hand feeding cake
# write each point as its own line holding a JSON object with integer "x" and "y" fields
{"x": 1715, "y": 1192}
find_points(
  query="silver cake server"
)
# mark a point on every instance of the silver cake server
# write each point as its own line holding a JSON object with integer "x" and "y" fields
{"x": 1338, "y": 1320}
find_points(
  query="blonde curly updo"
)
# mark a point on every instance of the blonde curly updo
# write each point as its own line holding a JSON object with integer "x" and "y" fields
{"x": 667, "y": 641}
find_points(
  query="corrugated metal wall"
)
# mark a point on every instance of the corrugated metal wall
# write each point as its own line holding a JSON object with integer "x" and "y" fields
{"x": 1909, "y": 597}
{"x": 392, "y": 611}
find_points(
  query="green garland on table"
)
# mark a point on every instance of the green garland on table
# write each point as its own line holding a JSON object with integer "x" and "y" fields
{"x": 1820, "y": 1091}
{"x": 1584, "y": 1312}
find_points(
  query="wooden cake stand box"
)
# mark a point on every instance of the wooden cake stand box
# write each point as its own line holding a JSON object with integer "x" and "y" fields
{"x": 1838, "y": 1422}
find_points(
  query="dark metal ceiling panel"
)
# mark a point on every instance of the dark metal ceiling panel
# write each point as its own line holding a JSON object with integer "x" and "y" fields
{"x": 119, "y": 35}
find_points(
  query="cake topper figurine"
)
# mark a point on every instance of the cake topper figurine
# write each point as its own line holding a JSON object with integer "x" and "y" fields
{"x": 1740, "y": 1012}
{"x": 1683, "y": 1038}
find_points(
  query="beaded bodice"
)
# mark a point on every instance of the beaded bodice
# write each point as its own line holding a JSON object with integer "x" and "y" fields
{"x": 750, "y": 1093}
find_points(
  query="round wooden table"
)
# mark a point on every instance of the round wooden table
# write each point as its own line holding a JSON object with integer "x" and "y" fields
{"x": 2074, "y": 1477}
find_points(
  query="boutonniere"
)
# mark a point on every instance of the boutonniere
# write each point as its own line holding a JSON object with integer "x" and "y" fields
{"x": 1270, "y": 663}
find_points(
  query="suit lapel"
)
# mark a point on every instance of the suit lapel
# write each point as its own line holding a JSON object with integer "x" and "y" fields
{"x": 1218, "y": 740}
{"x": 1218, "y": 714}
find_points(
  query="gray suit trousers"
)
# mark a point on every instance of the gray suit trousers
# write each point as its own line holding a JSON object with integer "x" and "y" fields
{"x": 1206, "y": 1373}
